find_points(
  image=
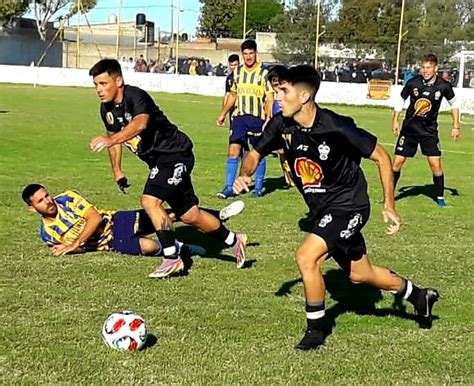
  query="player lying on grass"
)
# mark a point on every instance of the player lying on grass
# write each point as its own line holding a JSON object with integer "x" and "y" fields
{"x": 70, "y": 224}
{"x": 324, "y": 151}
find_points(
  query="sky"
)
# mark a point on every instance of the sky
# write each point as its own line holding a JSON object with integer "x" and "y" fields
{"x": 157, "y": 11}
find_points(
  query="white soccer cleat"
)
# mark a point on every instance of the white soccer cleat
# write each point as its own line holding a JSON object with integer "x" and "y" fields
{"x": 231, "y": 210}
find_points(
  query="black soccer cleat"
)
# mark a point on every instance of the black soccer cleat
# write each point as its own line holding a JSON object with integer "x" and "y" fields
{"x": 424, "y": 305}
{"x": 312, "y": 340}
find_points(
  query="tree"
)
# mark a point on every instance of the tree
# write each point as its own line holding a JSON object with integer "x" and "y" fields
{"x": 296, "y": 31}
{"x": 11, "y": 8}
{"x": 49, "y": 10}
{"x": 215, "y": 17}
{"x": 259, "y": 15}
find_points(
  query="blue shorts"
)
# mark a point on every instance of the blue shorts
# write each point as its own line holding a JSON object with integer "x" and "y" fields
{"x": 246, "y": 128}
{"x": 127, "y": 228}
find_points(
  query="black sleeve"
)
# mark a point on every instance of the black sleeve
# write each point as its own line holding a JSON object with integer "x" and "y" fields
{"x": 103, "y": 115}
{"x": 140, "y": 102}
{"x": 406, "y": 90}
{"x": 361, "y": 140}
{"x": 272, "y": 136}
{"x": 228, "y": 82}
{"x": 448, "y": 91}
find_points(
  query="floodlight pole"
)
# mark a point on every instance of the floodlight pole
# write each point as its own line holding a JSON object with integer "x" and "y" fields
{"x": 177, "y": 38}
{"x": 400, "y": 35}
{"x": 316, "y": 48}
{"x": 119, "y": 20}
{"x": 78, "y": 32}
{"x": 244, "y": 28}
{"x": 172, "y": 28}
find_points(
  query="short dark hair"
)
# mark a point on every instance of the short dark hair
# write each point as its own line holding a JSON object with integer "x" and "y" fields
{"x": 432, "y": 58}
{"x": 233, "y": 58}
{"x": 303, "y": 74}
{"x": 110, "y": 66}
{"x": 29, "y": 191}
{"x": 276, "y": 72}
{"x": 248, "y": 44}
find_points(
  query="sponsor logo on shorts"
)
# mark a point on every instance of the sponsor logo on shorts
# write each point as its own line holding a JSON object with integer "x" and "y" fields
{"x": 179, "y": 170}
{"x": 154, "y": 172}
{"x": 327, "y": 218}
{"x": 351, "y": 226}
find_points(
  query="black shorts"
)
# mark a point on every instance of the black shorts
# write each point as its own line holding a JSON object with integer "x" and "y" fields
{"x": 407, "y": 145}
{"x": 341, "y": 230}
{"x": 171, "y": 182}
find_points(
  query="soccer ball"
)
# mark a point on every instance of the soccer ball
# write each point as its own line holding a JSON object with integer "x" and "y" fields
{"x": 124, "y": 331}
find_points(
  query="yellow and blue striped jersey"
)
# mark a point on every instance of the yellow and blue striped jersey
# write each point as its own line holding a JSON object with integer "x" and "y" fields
{"x": 70, "y": 222}
{"x": 252, "y": 88}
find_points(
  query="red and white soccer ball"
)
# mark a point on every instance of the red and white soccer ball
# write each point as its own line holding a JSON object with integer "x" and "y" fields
{"x": 124, "y": 331}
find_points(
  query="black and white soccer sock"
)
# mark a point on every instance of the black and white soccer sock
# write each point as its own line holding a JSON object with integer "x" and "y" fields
{"x": 224, "y": 235}
{"x": 168, "y": 243}
{"x": 438, "y": 182}
{"x": 396, "y": 177}
{"x": 408, "y": 291}
{"x": 315, "y": 315}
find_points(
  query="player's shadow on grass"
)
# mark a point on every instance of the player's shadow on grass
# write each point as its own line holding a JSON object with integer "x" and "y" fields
{"x": 191, "y": 235}
{"x": 275, "y": 183}
{"x": 4, "y": 111}
{"x": 360, "y": 299}
{"x": 422, "y": 190}
{"x": 151, "y": 340}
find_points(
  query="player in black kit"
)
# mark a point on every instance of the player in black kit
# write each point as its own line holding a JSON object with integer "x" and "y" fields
{"x": 131, "y": 117}
{"x": 420, "y": 125}
{"x": 324, "y": 151}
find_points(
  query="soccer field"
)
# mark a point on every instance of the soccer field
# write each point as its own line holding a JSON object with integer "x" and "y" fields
{"x": 218, "y": 324}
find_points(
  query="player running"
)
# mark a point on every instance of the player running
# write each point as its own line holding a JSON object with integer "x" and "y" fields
{"x": 324, "y": 151}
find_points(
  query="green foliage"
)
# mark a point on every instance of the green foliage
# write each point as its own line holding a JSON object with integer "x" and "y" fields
{"x": 372, "y": 26}
{"x": 11, "y": 8}
{"x": 259, "y": 15}
{"x": 216, "y": 16}
{"x": 220, "y": 325}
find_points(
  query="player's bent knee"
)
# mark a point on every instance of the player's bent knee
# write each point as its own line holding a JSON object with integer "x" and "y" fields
{"x": 191, "y": 217}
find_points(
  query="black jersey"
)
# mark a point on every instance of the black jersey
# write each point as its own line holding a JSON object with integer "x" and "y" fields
{"x": 159, "y": 141}
{"x": 425, "y": 101}
{"x": 324, "y": 158}
{"x": 229, "y": 81}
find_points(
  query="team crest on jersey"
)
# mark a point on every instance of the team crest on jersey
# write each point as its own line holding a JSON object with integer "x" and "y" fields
{"x": 154, "y": 172}
{"x": 109, "y": 117}
{"x": 310, "y": 173}
{"x": 437, "y": 95}
{"x": 422, "y": 106}
{"x": 323, "y": 151}
{"x": 415, "y": 92}
{"x": 327, "y": 218}
{"x": 179, "y": 169}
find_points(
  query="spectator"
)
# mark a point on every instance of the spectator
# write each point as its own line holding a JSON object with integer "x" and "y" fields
{"x": 201, "y": 68}
{"x": 193, "y": 68}
{"x": 208, "y": 67}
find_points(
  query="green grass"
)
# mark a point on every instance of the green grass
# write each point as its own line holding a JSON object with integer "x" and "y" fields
{"x": 220, "y": 325}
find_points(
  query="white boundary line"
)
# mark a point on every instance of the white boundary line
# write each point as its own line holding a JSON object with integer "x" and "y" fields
{"x": 444, "y": 151}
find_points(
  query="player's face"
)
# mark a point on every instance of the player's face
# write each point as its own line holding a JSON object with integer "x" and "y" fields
{"x": 43, "y": 203}
{"x": 233, "y": 65}
{"x": 250, "y": 57}
{"x": 428, "y": 70}
{"x": 289, "y": 99}
{"x": 108, "y": 87}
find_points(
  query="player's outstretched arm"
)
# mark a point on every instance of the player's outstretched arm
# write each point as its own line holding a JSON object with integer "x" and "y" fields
{"x": 249, "y": 165}
{"x": 230, "y": 100}
{"x": 456, "y": 129}
{"x": 135, "y": 127}
{"x": 93, "y": 220}
{"x": 384, "y": 164}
